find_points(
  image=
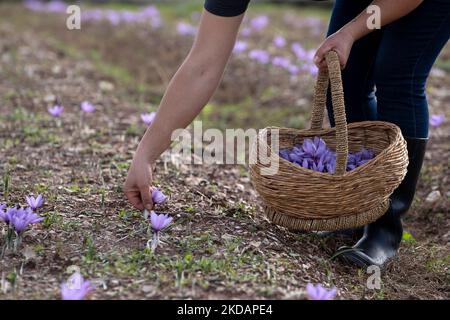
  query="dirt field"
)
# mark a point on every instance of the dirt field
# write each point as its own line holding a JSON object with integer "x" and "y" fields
{"x": 220, "y": 245}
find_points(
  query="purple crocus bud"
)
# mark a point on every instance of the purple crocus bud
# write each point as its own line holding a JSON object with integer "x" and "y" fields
{"x": 318, "y": 292}
{"x": 239, "y": 47}
{"x": 2, "y": 206}
{"x": 87, "y": 107}
{"x": 76, "y": 288}
{"x": 159, "y": 221}
{"x": 260, "y": 22}
{"x": 158, "y": 196}
{"x": 22, "y": 218}
{"x": 33, "y": 202}
{"x": 55, "y": 111}
{"x": 279, "y": 41}
{"x": 437, "y": 119}
{"x": 148, "y": 118}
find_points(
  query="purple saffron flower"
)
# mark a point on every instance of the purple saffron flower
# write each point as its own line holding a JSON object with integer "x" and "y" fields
{"x": 239, "y": 47}
{"x": 55, "y": 111}
{"x": 185, "y": 29}
{"x": 260, "y": 22}
{"x": 298, "y": 50}
{"x": 281, "y": 62}
{"x": 293, "y": 69}
{"x": 159, "y": 221}
{"x": 33, "y": 202}
{"x": 437, "y": 119}
{"x": 148, "y": 118}
{"x": 158, "y": 196}
{"x": 285, "y": 154}
{"x": 279, "y": 41}
{"x": 318, "y": 292}
{"x": 311, "y": 69}
{"x": 87, "y": 107}
{"x": 22, "y": 218}
{"x": 56, "y": 6}
{"x": 6, "y": 214}
{"x": 76, "y": 288}
{"x": 261, "y": 56}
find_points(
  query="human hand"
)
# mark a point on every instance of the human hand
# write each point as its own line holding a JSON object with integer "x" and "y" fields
{"x": 341, "y": 42}
{"x": 138, "y": 185}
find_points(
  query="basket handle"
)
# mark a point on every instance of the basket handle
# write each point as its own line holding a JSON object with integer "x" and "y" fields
{"x": 337, "y": 95}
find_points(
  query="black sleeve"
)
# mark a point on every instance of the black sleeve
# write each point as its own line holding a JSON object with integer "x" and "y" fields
{"x": 226, "y": 8}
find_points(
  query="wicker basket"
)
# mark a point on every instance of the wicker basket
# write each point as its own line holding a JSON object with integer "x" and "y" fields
{"x": 303, "y": 199}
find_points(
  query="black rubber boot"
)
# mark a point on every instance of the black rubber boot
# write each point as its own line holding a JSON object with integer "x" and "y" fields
{"x": 382, "y": 238}
{"x": 346, "y": 233}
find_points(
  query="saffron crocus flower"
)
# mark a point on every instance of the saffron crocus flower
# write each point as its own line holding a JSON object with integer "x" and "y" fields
{"x": 148, "y": 118}
{"x": 260, "y": 22}
{"x": 185, "y": 29}
{"x": 314, "y": 154}
{"x": 33, "y": 202}
{"x": 87, "y": 107}
{"x": 318, "y": 292}
{"x": 239, "y": 47}
{"x": 436, "y": 120}
{"x": 76, "y": 288}
{"x": 22, "y": 218}
{"x": 299, "y": 51}
{"x": 282, "y": 62}
{"x": 158, "y": 196}
{"x": 279, "y": 41}
{"x": 159, "y": 221}
{"x": 55, "y": 111}
{"x": 293, "y": 69}
{"x": 261, "y": 56}
{"x": 6, "y": 214}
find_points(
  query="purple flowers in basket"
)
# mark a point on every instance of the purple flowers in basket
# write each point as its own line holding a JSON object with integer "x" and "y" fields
{"x": 315, "y": 155}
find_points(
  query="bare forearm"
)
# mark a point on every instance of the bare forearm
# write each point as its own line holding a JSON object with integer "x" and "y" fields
{"x": 188, "y": 92}
{"x": 193, "y": 84}
{"x": 390, "y": 10}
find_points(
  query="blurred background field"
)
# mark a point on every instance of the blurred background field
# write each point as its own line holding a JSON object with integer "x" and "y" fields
{"x": 220, "y": 245}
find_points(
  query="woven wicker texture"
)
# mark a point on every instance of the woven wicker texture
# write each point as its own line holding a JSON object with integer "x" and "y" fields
{"x": 303, "y": 199}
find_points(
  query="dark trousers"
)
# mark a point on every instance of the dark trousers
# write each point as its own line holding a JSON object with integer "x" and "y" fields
{"x": 385, "y": 77}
